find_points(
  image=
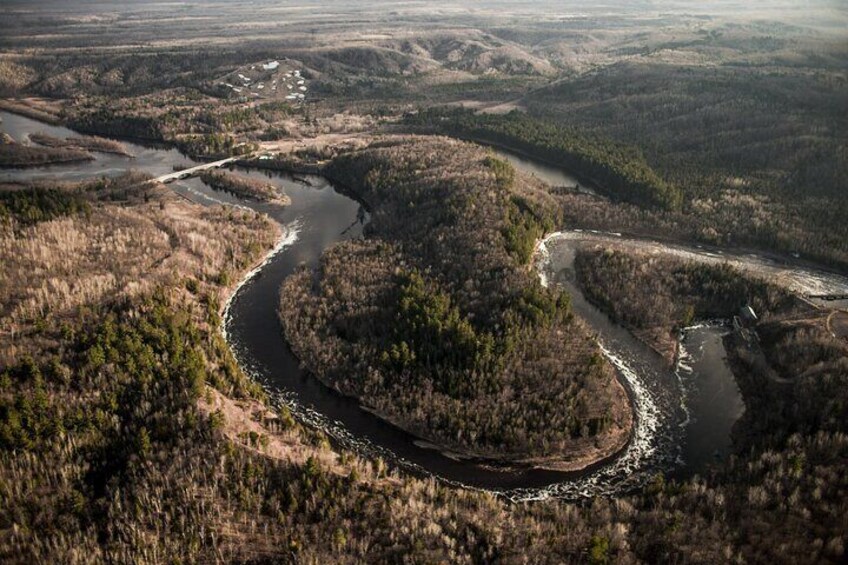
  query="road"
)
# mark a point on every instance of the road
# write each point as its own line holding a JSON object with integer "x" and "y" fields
{"x": 165, "y": 179}
{"x": 266, "y": 148}
{"x": 803, "y": 281}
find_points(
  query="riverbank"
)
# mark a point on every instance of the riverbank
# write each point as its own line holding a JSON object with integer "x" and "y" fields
{"x": 580, "y": 457}
{"x": 88, "y": 143}
{"x": 581, "y": 427}
{"x": 285, "y": 236}
{"x": 586, "y": 185}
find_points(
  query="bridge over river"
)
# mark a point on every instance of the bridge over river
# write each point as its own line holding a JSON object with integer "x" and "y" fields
{"x": 185, "y": 173}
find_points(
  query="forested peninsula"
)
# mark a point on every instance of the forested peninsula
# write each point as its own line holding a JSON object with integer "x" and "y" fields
{"x": 437, "y": 322}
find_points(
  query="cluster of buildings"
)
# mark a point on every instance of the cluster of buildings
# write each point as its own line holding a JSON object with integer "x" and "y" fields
{"x": 273, "y": 81}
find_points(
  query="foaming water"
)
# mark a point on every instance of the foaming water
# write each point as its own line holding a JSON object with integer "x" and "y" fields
{"x": 697, "y": 401}
{"x": 287, "y": 239}
{"x": 712, "y": 401}
{"x": 627, "y": 471}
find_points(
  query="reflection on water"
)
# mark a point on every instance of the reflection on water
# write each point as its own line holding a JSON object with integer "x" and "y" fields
{"x": 554, "y": 176}
{"x": 714, "y": 402}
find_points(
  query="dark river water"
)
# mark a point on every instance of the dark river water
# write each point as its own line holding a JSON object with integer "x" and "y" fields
{"x": 684, "y": 414}
{"x": 713, "y": 400}
{"x": 552, "y": 175}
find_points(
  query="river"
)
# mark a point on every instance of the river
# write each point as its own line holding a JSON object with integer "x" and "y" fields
{"x": 554, "y": 176}
{"x": 151, "y": 158}
{"x": 684, "y": 415}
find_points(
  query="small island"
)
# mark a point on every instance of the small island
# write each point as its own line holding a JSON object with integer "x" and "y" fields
{"x": 85, "y": 143}
{"x": 16, "y": 155}
{"x": 245, "y": 187}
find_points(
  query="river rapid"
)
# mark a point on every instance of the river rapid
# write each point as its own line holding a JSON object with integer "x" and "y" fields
{"x": 684, "y": 414}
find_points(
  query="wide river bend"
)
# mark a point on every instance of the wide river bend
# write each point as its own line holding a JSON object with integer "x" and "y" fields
{"x": 684, "y": 414}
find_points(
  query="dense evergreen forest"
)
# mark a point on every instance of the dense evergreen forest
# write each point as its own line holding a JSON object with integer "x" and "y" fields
{"x": 777, "y": 130}
{"x": 436, "y": 321}
{"x": 620, "y": 171}
{"x": 758, "y": 148}
{"x": 39, "y": 204}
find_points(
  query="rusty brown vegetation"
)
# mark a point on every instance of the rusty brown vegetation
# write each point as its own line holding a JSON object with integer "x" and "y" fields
{"x": 129, "y": 434}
